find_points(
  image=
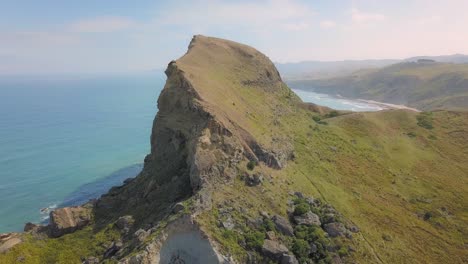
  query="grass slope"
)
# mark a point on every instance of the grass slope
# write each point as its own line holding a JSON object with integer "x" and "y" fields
{"x": 426, "y": 86}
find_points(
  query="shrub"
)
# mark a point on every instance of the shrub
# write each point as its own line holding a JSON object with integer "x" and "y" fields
{"x": 425, "y": 120}
{"x": 251, "y": 164}
{"x": 427, "y": 216}
{"x": 254, "y": 239}
{"x": 269, "y": 225}
{"x": 333, "y": 113}
{"x": 343, "y": 251}
{"x": 411, "y": 134}
{"x": 301, "y": 209}
{"x": 316, "y": 118}
{"x": 301, "y": 249}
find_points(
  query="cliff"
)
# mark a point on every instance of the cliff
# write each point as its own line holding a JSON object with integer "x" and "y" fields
{"x": 242, "y": 171}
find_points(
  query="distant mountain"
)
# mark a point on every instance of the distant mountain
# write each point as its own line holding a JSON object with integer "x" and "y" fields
{"x": 328, "y": 69}
{"x": 424, "y": 84}
{"x": 455, "y": 58}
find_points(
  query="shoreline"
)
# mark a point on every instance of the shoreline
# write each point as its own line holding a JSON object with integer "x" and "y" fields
{"x": 387, "y": 106}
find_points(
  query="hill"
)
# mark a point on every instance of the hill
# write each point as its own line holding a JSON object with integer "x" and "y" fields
{"x": 242, "y": 171}
{"x": 312, "y": 70}
{"x": 424, "y": 84}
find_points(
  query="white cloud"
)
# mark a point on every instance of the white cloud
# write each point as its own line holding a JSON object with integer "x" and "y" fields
{"x": 295, "y": 26}
{"x": 327, "y": 24}
{"x": 102, "y": 25}
{"x": 366, "y": 17}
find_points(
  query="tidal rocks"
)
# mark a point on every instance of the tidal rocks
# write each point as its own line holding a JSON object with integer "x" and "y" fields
{"x": 283, "y": 225}
{"x": 308, "y": 218}
{"x": 273, "y": 249}
{"x": 68, "y": 219}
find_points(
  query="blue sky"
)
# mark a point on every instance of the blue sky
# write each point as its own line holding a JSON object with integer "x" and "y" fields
{"x": 60, "y": 37}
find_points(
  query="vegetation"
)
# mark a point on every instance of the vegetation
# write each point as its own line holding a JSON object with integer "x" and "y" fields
{"x": 422, "y": 85}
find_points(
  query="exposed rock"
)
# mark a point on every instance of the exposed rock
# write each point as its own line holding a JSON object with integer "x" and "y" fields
{"x": 68, "y": 219}
{"x": 273, "y": 249}
{"x": 125, "y": 221}
{"x": 113, "y": 249}
{"x": 313, "y": 248}
{"x": 29, "y": 227}
{"x": 228, "y": 223}
{"x": 283, "y": 225}
{"x": 336, "y": 260}
{"x": 308, "y": 218}
{"x": 254, "y": 180}
{"x": 91, "y": 260}
{"x": 299, "y": 195}
{"x": 353, "y": 229}
{"x": 271, "y": 235}
{"x": 178, "y": 207}
{"x": 141, "y": 235}
{"x": 289, "y": 259}
{"x": 9, "y": 240}
{"x": 335, "y": 229}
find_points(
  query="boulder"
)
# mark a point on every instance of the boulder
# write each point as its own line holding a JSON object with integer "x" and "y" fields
{"x": 335, "y": 229}
{"x": 113, "y": 249}
{"x": 91, "y": 260}
{"x": 68, "y": 219}
{"x": 289, "y": 259}
{"x": 254, "y": 180}
{"x": 308, "y": 218}
{"x": 273, "y": 249}
{"x": 178, "y": 207}
{"x": 124, "y": 222}
{"x": 271, "y": 235}
{"x": 228, "y": 223}
{"x": 283, "y": 225}
{"x": 8, "y": 241}
{"x": 29, "y": 227}
{"x": 140, "y": 235}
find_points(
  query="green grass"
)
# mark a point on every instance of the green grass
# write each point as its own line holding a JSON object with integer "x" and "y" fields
{"x": 68, "y": 249}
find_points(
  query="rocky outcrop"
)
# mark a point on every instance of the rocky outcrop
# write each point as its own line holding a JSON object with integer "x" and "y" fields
{"x": 9, "y": 240}
{"x": 69, "y": 219}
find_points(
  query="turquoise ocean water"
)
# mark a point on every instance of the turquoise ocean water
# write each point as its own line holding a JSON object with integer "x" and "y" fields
{"x": 66, "y": 140}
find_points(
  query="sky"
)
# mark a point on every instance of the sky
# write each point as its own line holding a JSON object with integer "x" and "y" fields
{"x": 116, "y": 36}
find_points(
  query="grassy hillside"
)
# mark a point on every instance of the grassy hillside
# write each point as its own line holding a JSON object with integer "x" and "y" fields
{"x": 423, "y": 85}
{"x": 399, "y": 176}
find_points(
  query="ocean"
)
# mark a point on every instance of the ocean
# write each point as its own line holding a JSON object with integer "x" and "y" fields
{"x": 64, "y": 140}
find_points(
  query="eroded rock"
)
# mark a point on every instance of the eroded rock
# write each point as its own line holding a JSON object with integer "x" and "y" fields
{"x": 68, "y": 219}
{"x": 308, "y": 218}
{"x": 283, "y": 225}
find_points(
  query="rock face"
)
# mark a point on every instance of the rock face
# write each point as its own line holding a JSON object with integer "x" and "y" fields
{"x": 69, "y": 219}
{"x": 308, "y": 218}
{"x": 283, "y": 225}
{"x": 273, "y": 249}
{"x": 200, "y": 136}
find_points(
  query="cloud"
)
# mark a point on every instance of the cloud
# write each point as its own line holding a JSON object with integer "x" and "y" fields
{"x": 327, "y": 24}
{"x": 251, "y": 16}
{"x": 102, "y": 25}
{"x": 366, "y": 17}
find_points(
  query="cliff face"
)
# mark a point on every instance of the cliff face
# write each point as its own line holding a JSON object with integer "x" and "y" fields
{"x": 199, "y": 135}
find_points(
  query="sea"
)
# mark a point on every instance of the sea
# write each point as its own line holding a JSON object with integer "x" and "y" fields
{"x": 67, "y": 139}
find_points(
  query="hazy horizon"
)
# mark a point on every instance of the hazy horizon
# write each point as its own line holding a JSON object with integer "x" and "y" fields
{"x": 49, "y": 37}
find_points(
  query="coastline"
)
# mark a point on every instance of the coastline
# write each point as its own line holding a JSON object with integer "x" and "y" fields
{"x": 387, "y": 106}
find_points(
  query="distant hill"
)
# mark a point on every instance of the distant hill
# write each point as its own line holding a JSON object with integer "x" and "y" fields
{"x": 424, "y": 84}
{"x": 327, "y": 69}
